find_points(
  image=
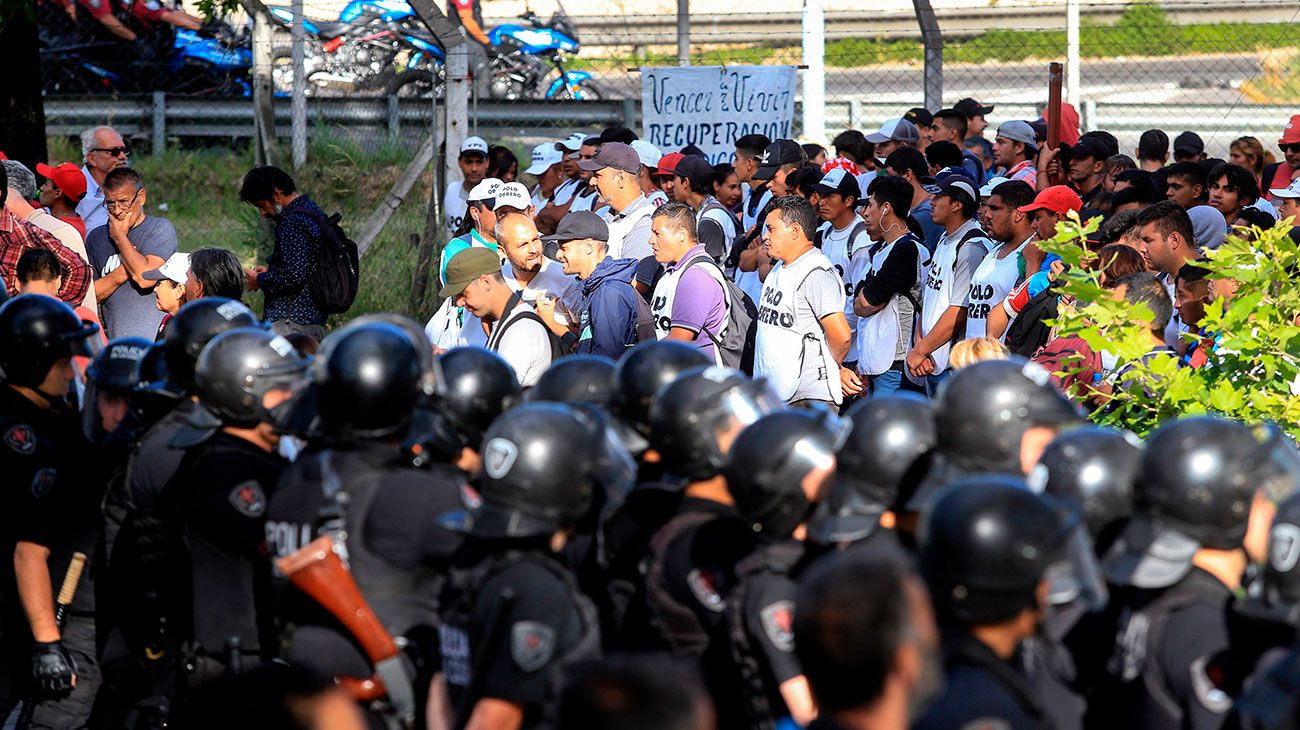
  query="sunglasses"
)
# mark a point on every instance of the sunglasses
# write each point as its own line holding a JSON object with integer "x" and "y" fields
{"x": 122, "y": 151}
{"x": 1293, "y": 147}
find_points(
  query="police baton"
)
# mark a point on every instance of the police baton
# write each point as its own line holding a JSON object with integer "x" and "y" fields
{"x": 496, "y": 617}
{"x": 67, "y": 592}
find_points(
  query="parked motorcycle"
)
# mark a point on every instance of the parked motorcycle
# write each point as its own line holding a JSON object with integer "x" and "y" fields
{"x": 361, "y": 52}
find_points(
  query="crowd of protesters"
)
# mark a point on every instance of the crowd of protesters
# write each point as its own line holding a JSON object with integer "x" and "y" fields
{"x": 768, "y": 436}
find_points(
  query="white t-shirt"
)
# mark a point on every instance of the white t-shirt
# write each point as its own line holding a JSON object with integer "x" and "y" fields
{"x": 456, "y": 206}
{"x": 790, "y": 347}
{"x": 551, "y": 282}
{"x": 847, "y": 251}
{"x": 453, "y": 326}
{"x": 526, "y": 345}
{"x": 989, "y": 285}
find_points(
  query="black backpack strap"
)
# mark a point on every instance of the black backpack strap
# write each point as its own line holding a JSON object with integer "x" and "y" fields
{"x": 726, "y": 295}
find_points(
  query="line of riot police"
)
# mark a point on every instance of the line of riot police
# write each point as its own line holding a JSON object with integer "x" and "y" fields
{"x": 242, "y": 504}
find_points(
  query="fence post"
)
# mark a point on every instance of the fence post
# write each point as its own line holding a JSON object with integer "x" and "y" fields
{"x": 1072, "y": 91}
{"x": 1088, "y": 115}
{"x": 629, "y": 113}
{"x": 298, "y": 118}
{"x": 932, "y": 37}
{"x": 855, "y": 113}
{"x": 159, "y": 122}
{"x": 814, "y": 78}
{"x": 395, "y": 119}
{"x": 683, "y": 32}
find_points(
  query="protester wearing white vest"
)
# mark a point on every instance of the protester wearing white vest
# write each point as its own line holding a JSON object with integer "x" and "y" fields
{"x": 844, "y": 240}
{"x": 802, "y": 335}
{"x": 690, "y": 301}
{"x": 617, "y": 169}
{"x": 884, "y": 298}
{"x": 995, "y": 277}
{"x": 946, "y": 295}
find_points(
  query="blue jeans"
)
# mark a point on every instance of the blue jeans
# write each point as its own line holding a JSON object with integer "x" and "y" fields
{"x": 932, "y": 382}
{"x": 885, "y": 383}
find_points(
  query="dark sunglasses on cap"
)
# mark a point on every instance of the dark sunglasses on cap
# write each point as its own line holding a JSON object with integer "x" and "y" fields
{"x": 114, "y": 151}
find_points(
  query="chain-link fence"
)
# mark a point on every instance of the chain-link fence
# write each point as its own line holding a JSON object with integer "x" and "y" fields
{"x": 1224, "y": 70}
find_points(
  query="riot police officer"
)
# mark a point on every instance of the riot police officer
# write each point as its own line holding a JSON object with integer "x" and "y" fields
{"x": 776, "y": 471}
{"x": 512, "y": 613}
{"x": 475, "y": 387}
{"x": 1178, "y": 561}
{"x": 576, "y": 379}
{"x": 1092, "y": 469}
{"x": 993, "y": 417}
{"x": 363, "y": 390}
{"x": 53, "y": 666}
{"x": 243, "y": 379}
{"x": 993, "y": 554}
{"x": 883, "y": 459}
{"x": 639, "y": 375}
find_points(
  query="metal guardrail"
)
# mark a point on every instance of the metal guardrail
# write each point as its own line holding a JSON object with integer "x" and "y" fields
{"x": 161, "y": 118}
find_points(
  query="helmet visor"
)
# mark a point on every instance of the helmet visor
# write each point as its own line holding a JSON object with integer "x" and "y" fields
{"x": 1076, "y": 577}
{"x": 739, "y": 407}
{"x": 1279, "y": 474}
{"x": 86, "y": 341}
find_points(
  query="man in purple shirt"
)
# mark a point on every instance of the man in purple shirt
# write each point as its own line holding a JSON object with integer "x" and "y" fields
{"x": 689, "y": 303}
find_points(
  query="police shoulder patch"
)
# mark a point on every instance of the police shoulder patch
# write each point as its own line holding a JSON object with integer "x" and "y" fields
{"x": 1206, "y": 680}
{"x": 987, "y": 723}
{"x": 531, "y": 644}
{"x": 42, "y": 480}
{"x": 248, "y": 499}
{"x": 702, "y": 587}
{"x": 778, "y": 624}
{"x": 21, "y": 439}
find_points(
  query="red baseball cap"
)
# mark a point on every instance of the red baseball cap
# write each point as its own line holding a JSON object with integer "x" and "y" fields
{"x": 1291, "y": 133}
{"x": 668, "y": 163}
{"x": 67, "y": 177}
{"x": 1059, "y": 199}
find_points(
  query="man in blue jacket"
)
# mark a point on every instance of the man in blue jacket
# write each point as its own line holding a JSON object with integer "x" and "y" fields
{"x": 604, "y": 322}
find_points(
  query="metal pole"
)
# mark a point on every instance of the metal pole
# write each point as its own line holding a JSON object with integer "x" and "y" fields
{"x": 683, "y": 32}
{"x": 1072, "y": 90}
{"x": 268, "y": 152}
{"x": 932, "y": 37}
{"x": 159, "y": 122}
{"x": 457, "y": 107}
{"x": 814, "y": 77}
{"x": 298, "y": 119}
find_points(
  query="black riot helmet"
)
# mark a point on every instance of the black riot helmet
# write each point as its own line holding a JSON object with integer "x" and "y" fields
{"x": 886, "y": 454}
{"x": 532, "y": 485}
{"x": 987, "y": 542}
{"x": 152, "y": 376}
{"x": 1276, "y": 595}
{"x": 193, "y": 327}
{"x": 1093, "y": 470}
{"x": 116, "y": 368}
{"x": 770, "y": 461}
{"x": 982, "y": 413}
{"x": 37, "y": 331}
{"x": 643, "y": 370}
{"x": 694, "y": 413}
{"x": 1195, "y": 485}
{"x": 430, "y": 372}
{"x": 477, "y": 385}
{"x": 576, "y": 379}
{"x": 364, "y": 384}
{"x": 240, "y": 366}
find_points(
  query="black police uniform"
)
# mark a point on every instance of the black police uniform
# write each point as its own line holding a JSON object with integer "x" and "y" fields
{"x": 760, "y": 623}
{"x": 1162, "y": 668}
{"x": 53, "y": 502}
{"x": 226, "y": 588}
{"x": 982, "y": 691}
{"x": 397, "y": 552}
{"x": 509, "y": 620}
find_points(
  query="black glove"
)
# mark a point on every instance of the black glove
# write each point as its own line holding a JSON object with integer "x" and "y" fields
{"x": 53, "y": 667}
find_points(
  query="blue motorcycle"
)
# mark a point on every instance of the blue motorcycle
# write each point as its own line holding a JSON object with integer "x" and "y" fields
{"x": 522, "y": 58}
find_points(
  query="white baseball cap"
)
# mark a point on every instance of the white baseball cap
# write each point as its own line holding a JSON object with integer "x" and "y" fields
{"x": 513, "y": 195}
{"x": 485, "y": 190}
{"x": 544, "y": 155}
{"x": 1290, "y": 191}
{"x": 993, "y": 182}
{"x": 474, "y": 144}
{"x": 899, "y": 130}
{"x": 649, "y": 154}
{"x": 573, "y": 142}
{"x": 175, "y": 268}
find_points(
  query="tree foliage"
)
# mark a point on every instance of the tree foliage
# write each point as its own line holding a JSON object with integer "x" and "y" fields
{"x": 1253, "y": 372}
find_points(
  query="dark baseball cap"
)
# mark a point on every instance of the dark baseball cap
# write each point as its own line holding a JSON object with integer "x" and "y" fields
{"x": 780, "y": 152}
{"x": 696, "y": 169}
{"x": 579, "y": 226}
{"x": 468, "y": 265}
{"x": 1090, "y": 147}
{"x": 972, "y": 108}
{"x": 1189, "y": 142}
{"x": 920, "y": 116}
{"x": 838, "y": 181}
{"x": 956, "y": 183}
{"x": 616, "y": 155}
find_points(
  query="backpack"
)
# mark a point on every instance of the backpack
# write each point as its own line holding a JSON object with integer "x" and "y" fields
{"x": 645, "y": 319}
{"x": 736, "y": 346}
{"x": 333, "y": 282}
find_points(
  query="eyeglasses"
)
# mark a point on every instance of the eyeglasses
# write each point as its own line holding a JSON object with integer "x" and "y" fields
{"x": 1293, "y": 147}
{"x": 122, "y": 151}
{"x": 115, "y": 204}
